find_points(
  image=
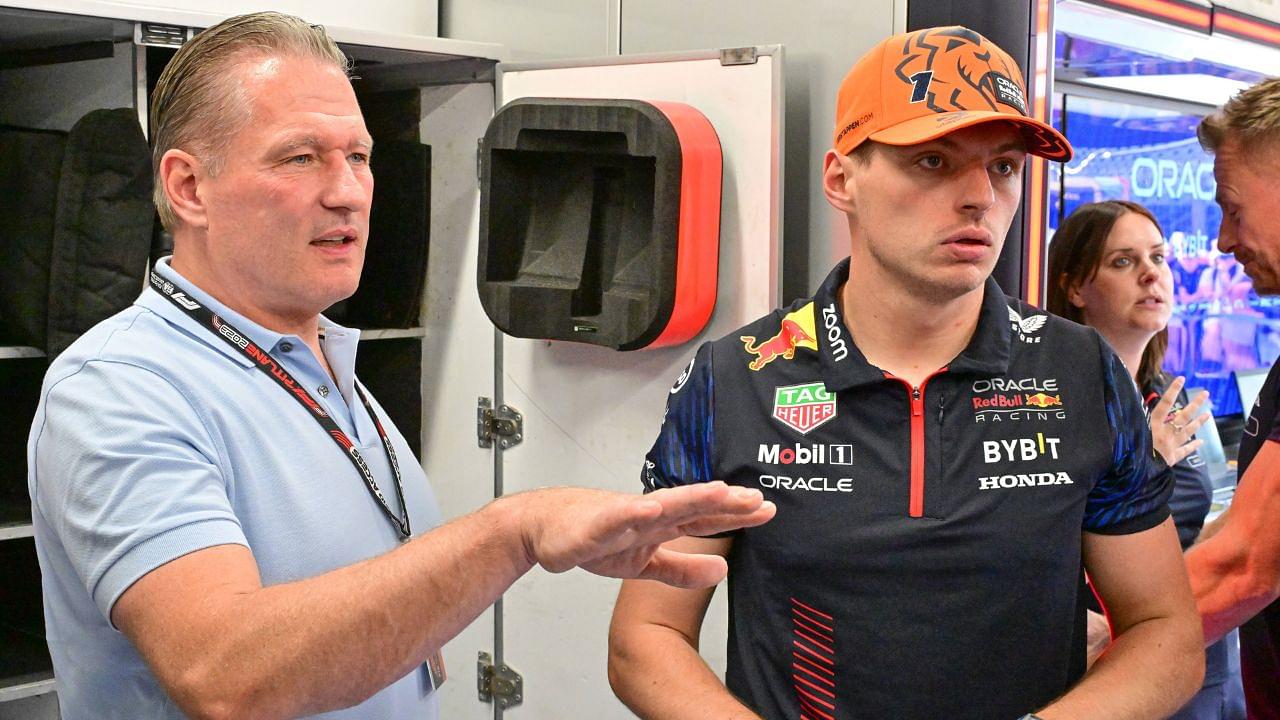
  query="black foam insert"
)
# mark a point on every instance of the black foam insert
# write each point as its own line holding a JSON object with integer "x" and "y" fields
{"x": 392, "y": 370}
{"x": 395, "y": 261}
{"x": 579, "y": 218}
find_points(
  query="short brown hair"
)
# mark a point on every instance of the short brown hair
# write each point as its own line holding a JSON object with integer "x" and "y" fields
{"x": 862, "y": 153}
{"x": 1075, "y": 254}
{"x": 1252, "y": 116}
{"x": 198, "y": 104}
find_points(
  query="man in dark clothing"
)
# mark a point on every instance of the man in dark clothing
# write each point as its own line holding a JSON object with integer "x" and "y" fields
{"x": 946, "y": 460}
{"x": 1235, "y": 569}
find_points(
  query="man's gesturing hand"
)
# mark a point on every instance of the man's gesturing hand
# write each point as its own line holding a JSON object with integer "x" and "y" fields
{"x": 618, "y": 535}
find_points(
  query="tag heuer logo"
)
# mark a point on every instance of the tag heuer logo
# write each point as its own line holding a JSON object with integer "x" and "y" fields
{"x": 803, "y": 407}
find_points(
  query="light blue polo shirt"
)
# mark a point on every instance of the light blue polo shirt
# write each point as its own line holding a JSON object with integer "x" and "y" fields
{"x": 155, "y": 439}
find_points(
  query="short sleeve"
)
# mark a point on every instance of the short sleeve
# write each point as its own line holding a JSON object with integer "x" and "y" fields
{"x": 126, "y": 475}
{"x": 682, "y": 454}
{"x": 1132, "y": 495}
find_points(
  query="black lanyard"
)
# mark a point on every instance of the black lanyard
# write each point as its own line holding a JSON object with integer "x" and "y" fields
{"x": 267, "y": 364}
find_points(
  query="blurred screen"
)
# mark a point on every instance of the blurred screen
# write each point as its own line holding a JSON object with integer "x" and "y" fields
{"x": 1128, "y": 151}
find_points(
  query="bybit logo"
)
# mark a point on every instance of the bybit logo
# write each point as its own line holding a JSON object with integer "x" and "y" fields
{"x": 1020, "y": 449}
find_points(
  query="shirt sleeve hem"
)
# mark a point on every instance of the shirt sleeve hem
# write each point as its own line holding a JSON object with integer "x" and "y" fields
{"x": 1134, "y": 524}
{"x": 158, "y": 550}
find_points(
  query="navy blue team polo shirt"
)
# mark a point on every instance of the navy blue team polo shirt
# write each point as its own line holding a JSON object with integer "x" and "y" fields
{"x": 925, "y": 558}
{"x": 1260, "y": 636}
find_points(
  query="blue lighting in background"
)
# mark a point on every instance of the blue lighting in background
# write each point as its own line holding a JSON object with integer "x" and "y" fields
{"x": 1131, "y": 152}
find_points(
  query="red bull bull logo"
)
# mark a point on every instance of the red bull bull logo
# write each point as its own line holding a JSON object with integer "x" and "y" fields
{"x": 796, "y": 331}
{"x": 1041, "y": 400}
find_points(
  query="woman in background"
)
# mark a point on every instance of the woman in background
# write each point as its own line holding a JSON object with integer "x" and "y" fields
{"x": 1108, "y": 269}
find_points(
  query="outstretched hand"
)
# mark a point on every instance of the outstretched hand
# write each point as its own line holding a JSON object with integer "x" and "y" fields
{"x": 620, "y": 535}
{"x": 1173, "y": 432}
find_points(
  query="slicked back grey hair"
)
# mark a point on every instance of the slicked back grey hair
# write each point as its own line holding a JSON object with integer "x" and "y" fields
{"x": 199, "y": 104}
{"x": 1252, "y": 116}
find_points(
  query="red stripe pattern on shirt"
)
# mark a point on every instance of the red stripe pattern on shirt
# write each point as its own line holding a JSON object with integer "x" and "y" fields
{"x": 813, "y": 661}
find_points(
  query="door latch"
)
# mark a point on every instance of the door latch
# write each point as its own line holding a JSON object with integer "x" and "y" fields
{"x": 503, "y": 425}
{"x": 498, "y": 683}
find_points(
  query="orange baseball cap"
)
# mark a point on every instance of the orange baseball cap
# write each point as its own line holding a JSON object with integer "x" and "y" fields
{"x": 922, "y": 85}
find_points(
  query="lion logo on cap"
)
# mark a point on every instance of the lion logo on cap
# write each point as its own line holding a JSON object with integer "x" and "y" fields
{"x": 956, "y": 69}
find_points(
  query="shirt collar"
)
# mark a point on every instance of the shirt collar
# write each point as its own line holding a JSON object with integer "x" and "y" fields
{"x": 339, "y": 343}
{"x": 844, "y": 366}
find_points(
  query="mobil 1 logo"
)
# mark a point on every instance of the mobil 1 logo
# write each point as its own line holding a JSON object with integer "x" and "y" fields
{"x": 797, "y": 454}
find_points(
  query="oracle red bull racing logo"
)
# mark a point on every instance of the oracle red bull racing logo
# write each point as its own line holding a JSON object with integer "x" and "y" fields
{"x": 797, "y": 330}
{"x": 803, "y": 407}
{"x": 1001, "y": 399}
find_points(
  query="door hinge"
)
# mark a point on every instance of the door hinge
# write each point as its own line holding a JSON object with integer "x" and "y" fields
{"x": 499, "y": 683}
{"x": 738, "y": 56}
{"x": 504, "y": 425}
{"x": 157, "y": 35}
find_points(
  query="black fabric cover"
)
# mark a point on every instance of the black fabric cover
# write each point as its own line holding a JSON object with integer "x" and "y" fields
{"x": 395, "y": 262}
{"x": 30, "y": 167}
{"x": 102, "y": 227}
{"x": 82, "y": 213}
{"x": 392, "y": 371}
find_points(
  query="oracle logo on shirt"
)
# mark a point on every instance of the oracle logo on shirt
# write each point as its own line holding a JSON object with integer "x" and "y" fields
{"x": 1026, "y": 384}
{"x": 1014, "y": 399}
{"x": 811, "y": 484}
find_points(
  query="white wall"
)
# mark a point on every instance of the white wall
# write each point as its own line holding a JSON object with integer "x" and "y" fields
{"x": 822, "y": 38}
{"x": 71, "y": 90}
{"x": 392, "y": 16}
{"x": 535, "y": 29}
{"x": 418, "y": 17}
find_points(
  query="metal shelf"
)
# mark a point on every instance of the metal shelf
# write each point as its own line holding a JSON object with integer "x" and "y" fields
{"x": 25, "y": 686}
{"x": 393, "y": 334}
{"x": 16, "y": 352}
{"x": 15, "y": 530}
{"x": 25, "y": 670}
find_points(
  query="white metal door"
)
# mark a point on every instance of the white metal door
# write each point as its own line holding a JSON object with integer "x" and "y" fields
{"x": 591, "y": 413}
{"x": 458, "y": 349}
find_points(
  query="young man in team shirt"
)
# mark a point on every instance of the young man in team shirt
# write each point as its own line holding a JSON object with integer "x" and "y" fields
{"x": 946, "y": 460}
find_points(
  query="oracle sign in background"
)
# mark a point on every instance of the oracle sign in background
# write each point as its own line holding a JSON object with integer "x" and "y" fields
{"x": 1129, "y": 151}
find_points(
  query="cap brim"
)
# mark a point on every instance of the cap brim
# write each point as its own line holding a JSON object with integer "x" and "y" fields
{"x": 1041, "y": 139}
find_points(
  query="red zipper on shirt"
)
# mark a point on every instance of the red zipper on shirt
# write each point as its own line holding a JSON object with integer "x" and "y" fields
{"x": 915, "y": 396}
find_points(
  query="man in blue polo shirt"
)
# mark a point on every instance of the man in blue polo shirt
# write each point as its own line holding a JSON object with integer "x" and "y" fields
{"x": 946, "y": 460}
{"x": 228, "y": 524}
